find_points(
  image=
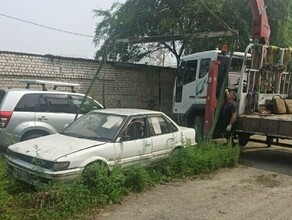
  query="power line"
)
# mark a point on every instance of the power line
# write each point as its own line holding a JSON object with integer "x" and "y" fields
{"x": 47, "y": 27}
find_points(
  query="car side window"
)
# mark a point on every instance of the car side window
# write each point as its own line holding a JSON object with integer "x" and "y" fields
{"x": 136, "y": 129}
{"x": 27, "y": 103}
{"x": 158, "y": 125}
{"x": 171, "y": 126}
{"x": 57, "y": 103}
{"x": 87, "y": 106}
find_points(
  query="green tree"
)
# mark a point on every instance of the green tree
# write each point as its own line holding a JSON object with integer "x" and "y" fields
{"x": 280, "y": 19}
{"x": 143, "y": 18}
{"x": 237, "y": 14}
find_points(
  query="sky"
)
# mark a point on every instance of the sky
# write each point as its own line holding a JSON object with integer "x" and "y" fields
{"x": 69, "y": 15}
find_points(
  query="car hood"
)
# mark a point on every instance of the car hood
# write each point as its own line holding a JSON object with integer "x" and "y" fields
{"x": 53, "y": 146}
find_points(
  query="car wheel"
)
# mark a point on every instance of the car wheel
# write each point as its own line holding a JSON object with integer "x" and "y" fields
{"x": 33, "y": 135}
{"x": 176, "y": 151}
{"x": 94, "y": 173}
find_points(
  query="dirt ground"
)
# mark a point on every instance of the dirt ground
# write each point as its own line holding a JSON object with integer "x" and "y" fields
{"x": 260, "y": 187}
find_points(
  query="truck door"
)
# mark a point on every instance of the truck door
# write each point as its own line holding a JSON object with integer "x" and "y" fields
{"x": 185, "y": 84}
{"x": 202, "y": 82}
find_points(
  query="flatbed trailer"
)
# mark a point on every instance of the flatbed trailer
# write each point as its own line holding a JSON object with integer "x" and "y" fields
{"x": 273, "y": 126}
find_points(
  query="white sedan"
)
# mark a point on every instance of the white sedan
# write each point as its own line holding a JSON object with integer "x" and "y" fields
{"x": 112, "y": 137}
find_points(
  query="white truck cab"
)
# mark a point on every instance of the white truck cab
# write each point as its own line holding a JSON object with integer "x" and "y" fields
{"x": 190, "y": 90}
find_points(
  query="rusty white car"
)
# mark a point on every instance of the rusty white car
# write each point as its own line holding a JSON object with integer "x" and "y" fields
{"x": 123, "y": 137}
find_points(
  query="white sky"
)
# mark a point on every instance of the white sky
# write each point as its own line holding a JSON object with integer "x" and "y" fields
{"x": 69, "y": 15}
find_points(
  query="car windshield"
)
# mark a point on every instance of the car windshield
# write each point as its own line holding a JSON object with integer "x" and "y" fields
{"x": 96, "y": 126}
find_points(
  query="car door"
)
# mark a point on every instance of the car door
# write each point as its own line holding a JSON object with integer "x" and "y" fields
{"x": 134, "y": 146}
{"x": 23, "y": 117}
{"x": 162, "y": 137}
{"x": 54, "y": 112}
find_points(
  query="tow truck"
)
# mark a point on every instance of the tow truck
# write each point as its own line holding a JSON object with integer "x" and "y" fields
{"x": 259, "y": 75}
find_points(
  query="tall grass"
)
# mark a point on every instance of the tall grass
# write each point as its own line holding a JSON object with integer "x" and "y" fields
{"x": 97, "y": 188}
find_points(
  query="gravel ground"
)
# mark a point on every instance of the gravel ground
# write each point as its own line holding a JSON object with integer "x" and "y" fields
{"x": 260, "y": 187}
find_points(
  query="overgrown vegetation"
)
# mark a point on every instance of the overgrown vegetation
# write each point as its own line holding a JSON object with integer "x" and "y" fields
{"x": 97, "y": 187}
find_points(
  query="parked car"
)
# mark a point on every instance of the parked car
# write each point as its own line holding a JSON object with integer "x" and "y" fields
{"x": 27, "y": 113}
{"x": 112, "y": 137}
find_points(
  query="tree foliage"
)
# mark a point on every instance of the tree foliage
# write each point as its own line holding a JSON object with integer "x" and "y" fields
{"x": 280, "y": 19}
{"x": 237, "y": 14}
{"x": 143, "y": 18}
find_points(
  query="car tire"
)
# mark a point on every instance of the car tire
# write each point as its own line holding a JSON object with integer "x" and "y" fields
{"x": 32, "y": 135}
{"x": 93, "y": 172}
{"x": 176, "y": 151}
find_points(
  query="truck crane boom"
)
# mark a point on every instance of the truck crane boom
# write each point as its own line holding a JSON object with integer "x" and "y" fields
{"x": 260, "y": 25}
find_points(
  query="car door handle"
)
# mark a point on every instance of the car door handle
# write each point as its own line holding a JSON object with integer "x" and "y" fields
{"x": 42, "y": 118}
{"x": 192, "y": 96}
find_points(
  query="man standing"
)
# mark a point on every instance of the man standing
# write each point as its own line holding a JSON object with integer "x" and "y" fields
{"x": 229, "y": 112}
{"x": 228, "y": 116}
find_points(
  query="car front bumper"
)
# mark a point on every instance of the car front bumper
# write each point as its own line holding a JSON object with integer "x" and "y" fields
{"x": 38, "y": 175}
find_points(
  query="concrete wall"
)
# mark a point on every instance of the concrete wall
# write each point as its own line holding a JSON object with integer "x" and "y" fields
{"x": 118, "y": 84}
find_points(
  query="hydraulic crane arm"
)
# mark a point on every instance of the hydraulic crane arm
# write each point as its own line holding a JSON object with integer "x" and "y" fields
{"x": 260, "y": 25}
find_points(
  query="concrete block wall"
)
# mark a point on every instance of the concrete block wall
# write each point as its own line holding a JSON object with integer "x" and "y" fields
{"x": 117, "y": 85}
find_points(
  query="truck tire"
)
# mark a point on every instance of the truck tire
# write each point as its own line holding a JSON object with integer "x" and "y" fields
{"x": 243, "y": 139}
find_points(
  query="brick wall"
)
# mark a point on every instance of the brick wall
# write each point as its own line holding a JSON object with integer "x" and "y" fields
{"x": 118, "y": 84}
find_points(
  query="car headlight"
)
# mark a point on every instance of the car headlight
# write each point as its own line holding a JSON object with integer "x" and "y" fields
{"x": 61, "y": 165}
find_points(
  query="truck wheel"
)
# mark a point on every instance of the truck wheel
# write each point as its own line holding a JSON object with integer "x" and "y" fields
{"x": 199, "y": 127}
{"x": 243, "y": 139}
{"x": 269, "y": 141}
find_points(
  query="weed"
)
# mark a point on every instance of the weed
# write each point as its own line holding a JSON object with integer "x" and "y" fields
{"x": 138, "y": 179}
{"x": 97, "y": 187}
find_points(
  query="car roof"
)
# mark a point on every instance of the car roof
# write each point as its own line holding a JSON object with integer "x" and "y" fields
{"x": 127, "y": 111}
{"x": 25, "y": 91}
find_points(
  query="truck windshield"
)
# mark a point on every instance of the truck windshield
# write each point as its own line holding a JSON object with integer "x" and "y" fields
{"x": 187, "y": 72}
